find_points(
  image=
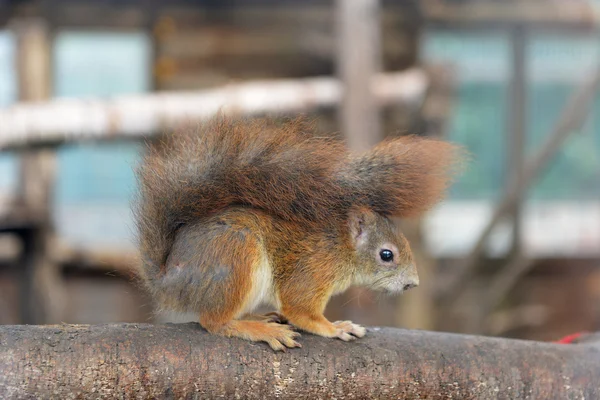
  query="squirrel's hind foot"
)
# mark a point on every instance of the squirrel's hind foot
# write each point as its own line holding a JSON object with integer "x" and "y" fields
{"x": 278, "y": 336}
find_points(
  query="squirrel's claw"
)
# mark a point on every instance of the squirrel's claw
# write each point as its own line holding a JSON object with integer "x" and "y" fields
{"x": 347, "y": 330}
{"x": 346, "y": 337}
{"x": 282, "y": 337}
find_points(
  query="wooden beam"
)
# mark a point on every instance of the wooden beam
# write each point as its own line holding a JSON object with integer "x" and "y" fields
{"x": 183, "y": 361}
{"x": 534, "y": 14}
{"x": 62, "y": 120}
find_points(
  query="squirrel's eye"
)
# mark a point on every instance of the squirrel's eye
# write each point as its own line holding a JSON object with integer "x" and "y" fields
{"x": 386, "y": 255}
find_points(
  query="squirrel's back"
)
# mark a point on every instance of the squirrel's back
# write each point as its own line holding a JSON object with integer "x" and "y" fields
{"x": 285, "y": 169}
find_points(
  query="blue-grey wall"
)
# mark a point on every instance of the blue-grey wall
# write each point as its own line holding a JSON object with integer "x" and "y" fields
{"x": 555, "y": 66}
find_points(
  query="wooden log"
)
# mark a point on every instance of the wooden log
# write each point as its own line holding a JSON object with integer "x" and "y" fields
{"x": 137, "y": 116}
{"x": 182, "y": 361}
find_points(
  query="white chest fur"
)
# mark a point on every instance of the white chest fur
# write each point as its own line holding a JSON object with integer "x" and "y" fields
{"x": 263, "y": 289}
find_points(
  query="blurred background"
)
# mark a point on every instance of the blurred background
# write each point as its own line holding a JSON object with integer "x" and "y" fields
{"x": 515, "y": 249}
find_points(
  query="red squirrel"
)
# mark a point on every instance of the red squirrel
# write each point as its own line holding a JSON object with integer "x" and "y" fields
{"x": 242, "y": 212}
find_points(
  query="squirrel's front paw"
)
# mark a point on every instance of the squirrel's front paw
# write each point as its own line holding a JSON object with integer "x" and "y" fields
{"x": 346, "y": 330}
{"x": 280, "y": 336}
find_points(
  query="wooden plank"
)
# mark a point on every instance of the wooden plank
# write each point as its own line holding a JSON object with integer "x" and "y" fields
{"x": 278, "y": 42}
{"x": 218, "y": 41}
{"x": 536, "y": 14}
{"x": 202, "y": 73}
{"x": 482, "y": 14}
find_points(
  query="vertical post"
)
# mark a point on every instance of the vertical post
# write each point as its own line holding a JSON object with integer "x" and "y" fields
{"x": 358, "y": 59}
{"x": 36, "y": 174}
{"x": 518, "y": 122}
{"x": 33, "y": 59}
{"x": 33, "y": 69}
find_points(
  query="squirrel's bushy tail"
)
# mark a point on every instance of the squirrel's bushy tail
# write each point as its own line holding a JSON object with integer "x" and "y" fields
{"x": 402, "y": 177}
{"x": 284, "y": 169}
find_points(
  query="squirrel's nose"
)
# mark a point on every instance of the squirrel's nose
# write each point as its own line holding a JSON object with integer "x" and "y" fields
{"x": 412, "y": 281}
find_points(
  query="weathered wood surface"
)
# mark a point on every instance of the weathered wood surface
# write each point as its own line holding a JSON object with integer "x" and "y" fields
{"x": 183, "y": 361}
{"x": 59, "y": 120}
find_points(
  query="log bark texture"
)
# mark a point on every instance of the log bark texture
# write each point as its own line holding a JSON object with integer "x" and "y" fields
{"x": 130, "y": 361}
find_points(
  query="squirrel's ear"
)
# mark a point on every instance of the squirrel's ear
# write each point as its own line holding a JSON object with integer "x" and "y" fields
{"x": 359, "y": 220}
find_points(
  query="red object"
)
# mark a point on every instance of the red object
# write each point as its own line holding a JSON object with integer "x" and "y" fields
{"x": 570, "y": 338}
